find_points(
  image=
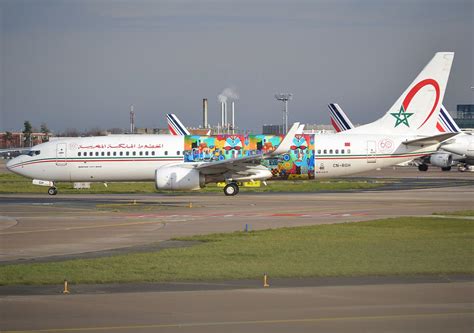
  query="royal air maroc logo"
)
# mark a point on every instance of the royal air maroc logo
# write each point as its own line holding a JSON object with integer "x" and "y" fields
{"x": 402, "y": 115}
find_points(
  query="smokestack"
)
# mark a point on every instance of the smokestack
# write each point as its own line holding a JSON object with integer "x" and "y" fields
{"x": 233, "y": 115}
{"x": 225, "y": 124}
{"x": 204, "y": 113}
{"x": 222, "y": 114}
{"x": 132, "y": 119}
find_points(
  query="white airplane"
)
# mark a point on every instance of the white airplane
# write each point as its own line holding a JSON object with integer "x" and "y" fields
{"x": 137, "y": 158}
{"x": 460, "y": 149}
{"x": 408, "y": 130}
{"x": 463, "y": 145}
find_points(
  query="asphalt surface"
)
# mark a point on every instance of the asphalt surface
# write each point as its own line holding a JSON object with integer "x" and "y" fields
{"x": 38, "y": 228}
{"x": 420, "y": 307}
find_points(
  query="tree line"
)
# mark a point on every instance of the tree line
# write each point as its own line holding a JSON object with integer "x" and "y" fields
{"x": 28, "y": 133}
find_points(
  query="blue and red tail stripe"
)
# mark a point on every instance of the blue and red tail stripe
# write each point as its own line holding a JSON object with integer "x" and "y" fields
{"x": 339, "y": 120}
{"x": 175, "y": 126}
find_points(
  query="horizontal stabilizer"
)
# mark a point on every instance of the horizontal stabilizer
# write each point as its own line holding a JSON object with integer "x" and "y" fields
{"x": 430, "y": 140}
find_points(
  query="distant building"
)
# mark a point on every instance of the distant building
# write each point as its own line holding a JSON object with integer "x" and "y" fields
{"x": 465, "y": 116}
{"x": 17, "y": 140}
{"x": 272, "y": 129}
{"x": 318, "y": 129}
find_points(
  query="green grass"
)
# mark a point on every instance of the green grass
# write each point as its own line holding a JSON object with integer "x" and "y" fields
{"x": 11, "y": 183}
{"x": 399, "y": 246}
{"x": 457, "y": 213}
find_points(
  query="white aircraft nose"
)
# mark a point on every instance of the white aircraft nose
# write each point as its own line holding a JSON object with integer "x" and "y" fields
{"x": 9, "y": 164}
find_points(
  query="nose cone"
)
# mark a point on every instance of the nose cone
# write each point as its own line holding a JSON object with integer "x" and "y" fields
{"x": 9, "y": 165}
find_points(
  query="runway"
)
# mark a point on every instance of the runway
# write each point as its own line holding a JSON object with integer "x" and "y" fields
{"x": 38, "y": 228}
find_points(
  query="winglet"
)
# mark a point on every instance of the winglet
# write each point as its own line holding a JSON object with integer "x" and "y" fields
{"x": 287, "y": 140}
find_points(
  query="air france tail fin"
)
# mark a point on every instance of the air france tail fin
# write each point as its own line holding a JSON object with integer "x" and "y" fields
{"x": 416, "y": 110}
{"x": 339, "y": 119}
{"x": 175, "y": 126}
{"x": 446, "y": 123}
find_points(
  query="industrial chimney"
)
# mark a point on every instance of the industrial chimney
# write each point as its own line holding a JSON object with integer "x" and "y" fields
{"x": 132, "y": 119}
{"x": 222, "y": 114}
{"x": 204, "y": 113}
{"x": 233, "y": 117}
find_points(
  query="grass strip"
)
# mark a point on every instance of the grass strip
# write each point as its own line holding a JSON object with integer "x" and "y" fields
{"x": 456, "y": 213}
{"x": 11, "y": 183}
{"x": 398, "y": 246}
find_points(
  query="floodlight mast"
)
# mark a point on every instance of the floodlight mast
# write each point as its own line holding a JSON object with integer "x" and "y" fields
{"x": 284, "y": 98}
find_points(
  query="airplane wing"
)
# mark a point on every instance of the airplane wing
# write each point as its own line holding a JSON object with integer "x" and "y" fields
{"x": 430, "y": 140}
{"x": 247, "y": 166}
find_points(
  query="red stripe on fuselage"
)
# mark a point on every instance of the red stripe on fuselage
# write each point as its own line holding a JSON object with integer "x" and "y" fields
{"x": 101, "y": 160}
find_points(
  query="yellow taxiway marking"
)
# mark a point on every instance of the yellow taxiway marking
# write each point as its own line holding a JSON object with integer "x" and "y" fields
{"x": 83, "y": 227}
{"x": 245, "y": 322}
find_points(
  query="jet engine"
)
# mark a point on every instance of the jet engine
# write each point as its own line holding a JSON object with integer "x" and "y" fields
{"x": 178, "y": 178}
{"x": 442, "y": 160}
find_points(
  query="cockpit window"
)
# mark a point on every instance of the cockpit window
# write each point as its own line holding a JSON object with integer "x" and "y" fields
{"x": 34, "y": 152}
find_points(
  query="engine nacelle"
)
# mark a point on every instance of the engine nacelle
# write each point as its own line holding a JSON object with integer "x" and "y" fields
{"x": 178, "y": 178}
{"x": 442, "y": 160}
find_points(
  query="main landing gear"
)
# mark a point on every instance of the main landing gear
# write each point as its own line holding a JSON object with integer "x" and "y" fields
{"x": 231, "y": 189}
{"x": 52, "y": 190}
{"x": 423, "y": 167}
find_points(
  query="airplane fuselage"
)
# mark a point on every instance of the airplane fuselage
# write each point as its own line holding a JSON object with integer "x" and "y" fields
{"x": 136, "y": 157}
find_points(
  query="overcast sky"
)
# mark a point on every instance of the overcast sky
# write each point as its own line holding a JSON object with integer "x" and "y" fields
{"x": 80, "y": 64}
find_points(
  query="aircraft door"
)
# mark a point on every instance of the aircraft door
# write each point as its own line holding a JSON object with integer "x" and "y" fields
{"x": 371, "y": 152}
{"x": 61, "y": 154}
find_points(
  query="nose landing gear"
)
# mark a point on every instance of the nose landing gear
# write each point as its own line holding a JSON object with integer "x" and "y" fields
{"x": 52, "y": 190}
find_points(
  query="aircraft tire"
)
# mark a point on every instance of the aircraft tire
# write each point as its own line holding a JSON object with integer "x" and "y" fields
{"x": 423, "y": 167}
{"x": 52, "y": 191}
{"x": 446, "y": 168}
{"x": 231, "y": 189}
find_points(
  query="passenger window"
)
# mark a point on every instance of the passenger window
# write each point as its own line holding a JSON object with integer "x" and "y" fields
{"x": 79, "y": 154}
{"x": 121, "y": 153}
{"x": 325, "y": 151}
{"x": 330, "y": 151}
{"x": 166, "y": 152}
{"x": 342, "y": 151}
{"x": 127, "y": 153}
{"x": 146, "y": 153}
{"x": 96, "y": 153}
{"x": 319, "y": 151}
{"x": 153, "y": 153}
{"x": 102, "y": 153}
{"x": 348, "y": 151}
{"x": 90, "y": 154}
{"x": 114, "y": 153}
{"x": 134, "y": 153}
{"x": 337, "y": 151}
{"x": 108, "y": 153}
{"x": 141, "y": 153}
{"x": 177, "y": 153}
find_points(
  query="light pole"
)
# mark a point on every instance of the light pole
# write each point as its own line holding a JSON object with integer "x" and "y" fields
{"x": 284, "y": 98}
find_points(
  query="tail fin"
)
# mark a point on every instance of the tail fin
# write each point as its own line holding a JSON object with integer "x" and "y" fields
{"x": 339, "y": 119}
{"x": 416, "y": 110}
{"x": 446, "y": 123}
{"x": 175, "y": 126}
